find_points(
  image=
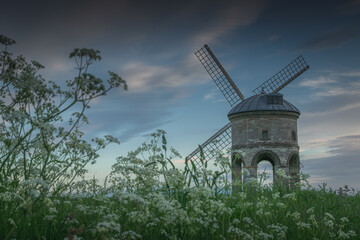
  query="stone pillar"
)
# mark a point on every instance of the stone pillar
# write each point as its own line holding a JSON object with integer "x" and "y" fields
{"x": 294, "y": 175}
{"x": 236, "y": 169}
{"x": 252, "y": 173}
{"x": 236, "y": 174}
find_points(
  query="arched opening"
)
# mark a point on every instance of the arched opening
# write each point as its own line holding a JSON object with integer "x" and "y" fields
{"x": 294, "y": 169}
{"x": 265, "y": 172}
{"x": 265, "y": 163}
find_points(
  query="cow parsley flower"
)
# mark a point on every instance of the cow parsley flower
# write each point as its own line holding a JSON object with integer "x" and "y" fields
{"x": 264, "y": 236}
{"x": 34, "y": 193}
{"x": 329, "y": 223}
{"x": 11, "y": 221}
{"x": 278, "y": 230}
{"x": 313, "y": 220}
{"x": 291, "y": 196}
{"x": 130, "y": 235}
{"x": 280, "y": 205}
{"x": 303, "y": 225}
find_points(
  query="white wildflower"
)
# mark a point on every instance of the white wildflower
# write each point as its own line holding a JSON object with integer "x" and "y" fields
{"x": 329, "y": 223}
{"x": 329, "y": 216}
{"x": 240, "y": 152}
{"x": 52, "y": 210}
{"x": 239, "y": 233}
{"x": 248, "y": 222}
{"x": 303, "y": 225}
{"x": 12, "y": 222}
{"x": 48, "y": 202}
{"x": 276, "y": 195}
{"x": 106, "y": 226}
{"x": 280, "y": 205}
{"x": 235, "y": 221}
{"x": 264, "y": 236}
{"x": 310, "y": 210}
{"x": 295, "y": 216}
{"x": 344, "y": 220}
{"x": 131, "y": 235}
{"x": 313, "y": 220}
{"x": 278, "y": 230}
{"x": 282, "y": 173}
{"x": 242, "y": 195}
{"x": 34, "y": 193}
{"x": 247, "y": 204}
{"x": 291, "y": 196}
{"x": 245, "y": 172}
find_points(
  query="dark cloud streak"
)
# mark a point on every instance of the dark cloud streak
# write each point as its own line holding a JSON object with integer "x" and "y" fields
{"x": 328, "y": 40}
{"x": 133, "y": 115}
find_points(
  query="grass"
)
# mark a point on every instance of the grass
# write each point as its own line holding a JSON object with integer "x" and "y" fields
{"x": 146, "y": 197}
{"x": 256, "y": 213}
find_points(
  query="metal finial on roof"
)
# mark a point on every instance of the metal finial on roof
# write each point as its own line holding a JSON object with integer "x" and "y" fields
{"x": 262, "y": 91}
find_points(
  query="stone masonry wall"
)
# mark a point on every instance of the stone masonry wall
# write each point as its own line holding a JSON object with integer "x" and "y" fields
{"x": 278, "y": 148}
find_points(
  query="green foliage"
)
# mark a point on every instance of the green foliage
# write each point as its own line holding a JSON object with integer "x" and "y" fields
{"x": 42, "y": 150}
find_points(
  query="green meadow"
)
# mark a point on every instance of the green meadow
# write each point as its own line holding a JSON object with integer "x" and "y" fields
{"x": 146, "y": 197}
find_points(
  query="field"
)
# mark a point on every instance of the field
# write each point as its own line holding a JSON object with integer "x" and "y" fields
{"x": 146, "y": 197}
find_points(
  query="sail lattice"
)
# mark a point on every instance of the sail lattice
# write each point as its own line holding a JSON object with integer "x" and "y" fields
{"x": 220, "y": 141}
{"x": 219, "y": 75}
{"x": 283, "y": 77}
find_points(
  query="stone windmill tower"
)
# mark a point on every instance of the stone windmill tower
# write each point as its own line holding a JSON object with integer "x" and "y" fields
{"x": 263, "y": 126}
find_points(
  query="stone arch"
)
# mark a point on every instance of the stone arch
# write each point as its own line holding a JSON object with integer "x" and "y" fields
{"x": 268, "y": 155}
{"x": 293, "y": 162}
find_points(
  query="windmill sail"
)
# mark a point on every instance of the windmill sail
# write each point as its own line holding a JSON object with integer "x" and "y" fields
{"x": 215, "y": 144}
{"x": 283, "y": 77}
{"x": 219, "y": 75}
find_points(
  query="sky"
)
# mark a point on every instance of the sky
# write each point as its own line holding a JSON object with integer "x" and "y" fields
{"x": 151, "y": 44}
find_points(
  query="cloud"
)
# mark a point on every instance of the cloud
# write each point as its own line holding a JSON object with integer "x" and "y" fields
{"x": 330, "y": 40}
{"x": 316, "y": 143}
{"x": 230, "y": 18}
{"x": 335, "y": 84}
{"x": 214, "y": 95}
{"x": 331, "y": 109}
{"x": 127, "y": 117}
{"x": 341, "y": 167}
{"x": 349, "y": 144}
{"x": 154, "y": 90}
{"x": 143, "y": 77}
{"x": 349, "y": 74}
{"x": 318, "y": 82}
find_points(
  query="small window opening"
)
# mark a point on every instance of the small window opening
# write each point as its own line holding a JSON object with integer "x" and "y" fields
{"x": 275, "y": 99}
{"x": 293, "y": 135}
{"x": 265, "y": 135}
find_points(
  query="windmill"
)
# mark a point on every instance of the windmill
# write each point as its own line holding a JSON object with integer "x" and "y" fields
{"x": 264, "y": 126}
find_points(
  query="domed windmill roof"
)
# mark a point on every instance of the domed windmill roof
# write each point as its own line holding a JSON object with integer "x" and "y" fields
{"x": 264, "y": 102}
